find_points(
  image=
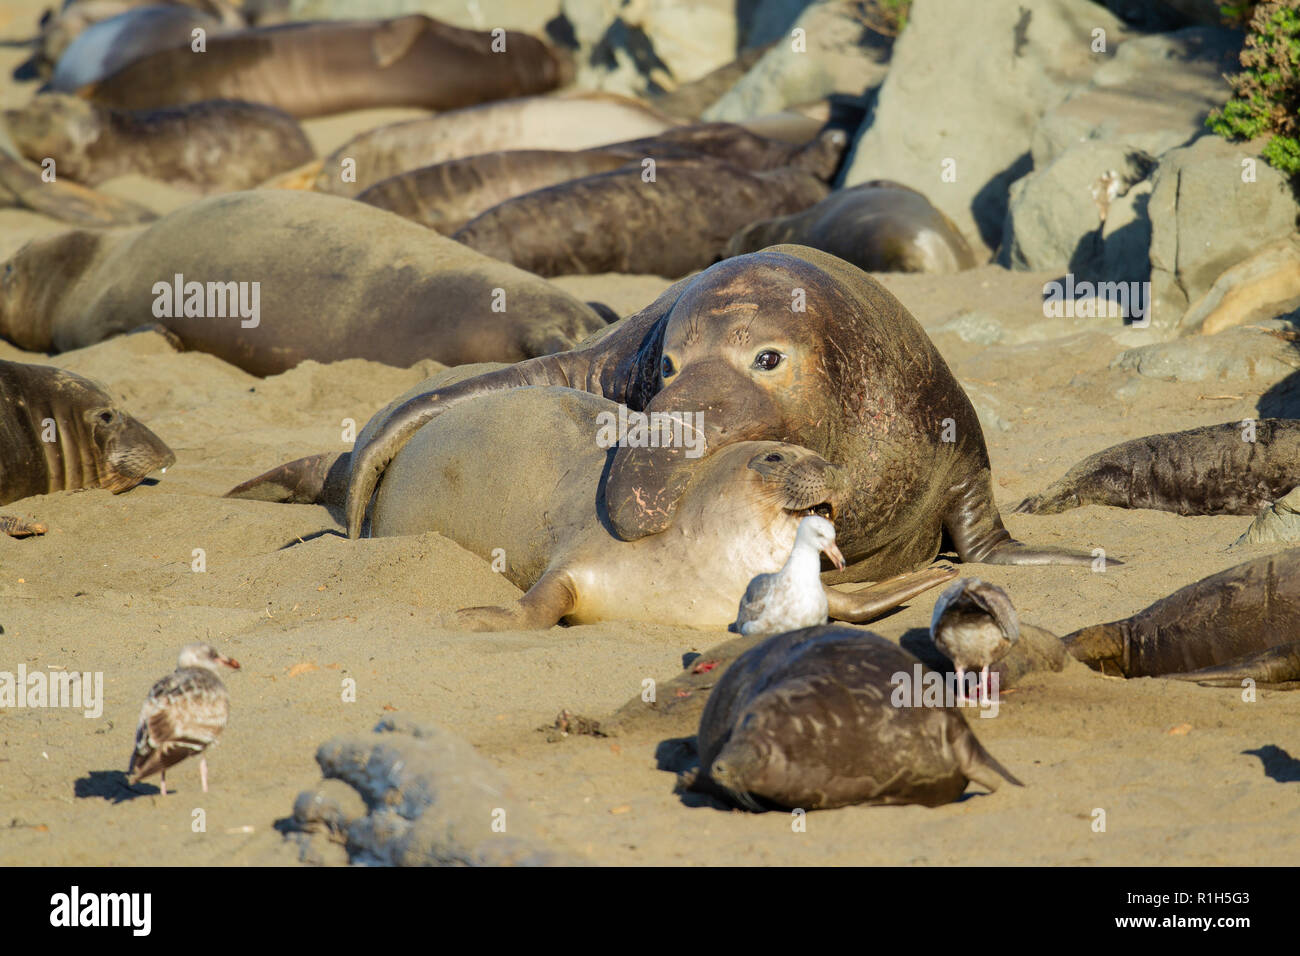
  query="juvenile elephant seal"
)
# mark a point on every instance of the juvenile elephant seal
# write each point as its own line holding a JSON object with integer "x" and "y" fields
{"x": 23, "y": 188}
{"x": 880, "y": 226}
{"x": 542, "y": 468}
{"x": 807, "y": 720}
{"x": 447, "y": 195}
{"x": 1230, "y": 469}
{"x": 569, "y": 121}
{"x": 309, "y": 277}
{"x": 60, "y": 432}
{"x": 1226, "y": 620}
{"x": 314, "y": 69}
{"x": 221, "y": 145}
{"x": 618, "y": 221}
{"x": 852, "y": 377}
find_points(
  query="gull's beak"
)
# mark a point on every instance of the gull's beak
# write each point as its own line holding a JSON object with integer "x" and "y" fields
{"x": 832, "y": 551}
{"x": 228, "y": 661}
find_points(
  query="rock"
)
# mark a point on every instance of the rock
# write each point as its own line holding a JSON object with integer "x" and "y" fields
{"x": 837, "y": 53}
{"x": 767, "y": 21}
{"x": 978, "y": 328}
{"x": 987, "y": 409}
{"x": 1152, "y": 96}
{"x": 1205, "y": 219}
{"x": 1266, "y": 285}
{"x": 1266, "y": 353}
{"x": 426, "y": 798}
{"x": 968, "y": 82}
{"x": 1057, "y": 216}
{"x": 1278, "y": 523}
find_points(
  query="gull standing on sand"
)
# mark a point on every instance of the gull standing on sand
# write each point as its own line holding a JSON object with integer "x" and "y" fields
{"x": 975, "y": 625}
{"x": 183, "y": 715}
{"x": 792, "y": 597}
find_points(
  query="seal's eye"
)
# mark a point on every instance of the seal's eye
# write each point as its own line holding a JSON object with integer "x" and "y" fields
{"x": 105, "y": 417}
{"x": 767, "y": 360}
{"x": 773, "y": 457}
{"x": 667, "y": 368}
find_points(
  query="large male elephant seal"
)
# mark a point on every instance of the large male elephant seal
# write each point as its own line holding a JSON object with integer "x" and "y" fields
{"x": 1231, "y": 469}
{"x": 565, "y": 121}
{"x": 313, "y": 69}
{"x": 669, "y": 224}
{"x": 540, "y": 455}
{"x": 809, "y": 719}
{"x": 218, "y": 145}
{"x": 1230, "y": 620}
{"x": 447, "y": 195}
{"x": 269, "y": 278}
{"x": 789, "y": 344}
{"x": 880, "y": 226}
{"x": 60, "y": 432}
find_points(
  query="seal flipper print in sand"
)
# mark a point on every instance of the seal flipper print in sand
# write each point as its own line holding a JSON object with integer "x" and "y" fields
{"x": 727, "y": 344}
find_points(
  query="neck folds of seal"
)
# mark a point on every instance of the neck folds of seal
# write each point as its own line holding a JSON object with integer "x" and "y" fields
{"x": 73, "y": 460}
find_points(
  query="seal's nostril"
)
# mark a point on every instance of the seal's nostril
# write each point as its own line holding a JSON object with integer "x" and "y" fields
{"x": 773, "y": 457}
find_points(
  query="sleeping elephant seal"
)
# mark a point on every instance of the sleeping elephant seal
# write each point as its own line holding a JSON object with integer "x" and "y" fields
{"x": 447, "y": 195}
{"x": 1230, "y": 469}
{"x": 318, "y": 68}
{"x": 22, "y": 187}
{"x": 1230, "y": 620}
{"x": 219, "y": 145}
{"x": 880, "y": 226}
{"x": 60, "y": 432}
{"x": 269, "y": 278}
{"x": 808, "y": 720}
{"x": 789, "y": 344}
{"x": 565, "y": 121}
{"x": 675, "y": 222}
{"x": 542, "y": 466}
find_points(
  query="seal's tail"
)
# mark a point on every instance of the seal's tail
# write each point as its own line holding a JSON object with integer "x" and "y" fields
{"x": 314, "y": 480}
{"x": 980, "y": 765}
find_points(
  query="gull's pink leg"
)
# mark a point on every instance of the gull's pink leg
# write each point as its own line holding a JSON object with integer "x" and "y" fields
{"x": 961, "y": 686}
{"x": 203, "y": 772}
{"x": 162, "y": 782}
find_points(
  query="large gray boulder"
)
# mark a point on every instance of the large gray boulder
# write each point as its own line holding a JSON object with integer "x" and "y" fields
{"x": 529, "y": 16}
{"x": 1205, "y": 218}
{"x": 968, "y": 82}
{"x": 1153, "y": 96}
{"x": 426, "y": 799}
{"x": 837, "y": 52}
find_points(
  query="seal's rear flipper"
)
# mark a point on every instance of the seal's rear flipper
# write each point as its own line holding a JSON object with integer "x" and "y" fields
{"x": 977, "y": 763}
{"x": 545, "y": 604}
{"x": 872, "y": 601}
{"x": 314, "y": 480}
{"x": 979, "y": 536}
{"x": 20, "y": 527}
{"x": 1276, "y": 665}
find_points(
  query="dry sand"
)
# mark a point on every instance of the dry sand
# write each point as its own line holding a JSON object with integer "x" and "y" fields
{"x": 111, "y": 588}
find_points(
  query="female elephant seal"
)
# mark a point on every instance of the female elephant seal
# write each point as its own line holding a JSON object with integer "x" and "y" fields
{"x": 1230, "y": 620}
{"x": 808, "y": 720}
{"x": 447, "y": 195}
{"x": 269, "y": 278}
{"x": 318, "y": 68}
{"x": 60, "y": 432}
{"x": 880, "y": 226}
{"x": 672, "y": 223}
{"x": 221, "y": 145}
{"x": 1230, "y": 469}
{"x": 789, "y": 344}
{"x": 542, "y": 470}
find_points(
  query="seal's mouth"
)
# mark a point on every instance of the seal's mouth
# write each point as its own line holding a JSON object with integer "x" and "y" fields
{"x": 824, "y": 508}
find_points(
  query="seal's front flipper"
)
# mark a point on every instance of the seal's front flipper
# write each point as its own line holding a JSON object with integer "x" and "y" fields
{"x": 20, "y": 527}
{"x": 875, "y": 600}
{"x": 1276, "y": 665}
{"x": 979, "y": 536}
{"x": 545, "y": 604}
{"x": 314, "y": 480}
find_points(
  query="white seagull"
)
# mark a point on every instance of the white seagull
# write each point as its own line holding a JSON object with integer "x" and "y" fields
{"x": 792, "y": 597}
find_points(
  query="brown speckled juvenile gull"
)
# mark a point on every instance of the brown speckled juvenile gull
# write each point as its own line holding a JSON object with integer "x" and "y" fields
{"x": 184, "y": 714}
{"x": 792, "y": 597}
{"x": 975, "y": 625}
